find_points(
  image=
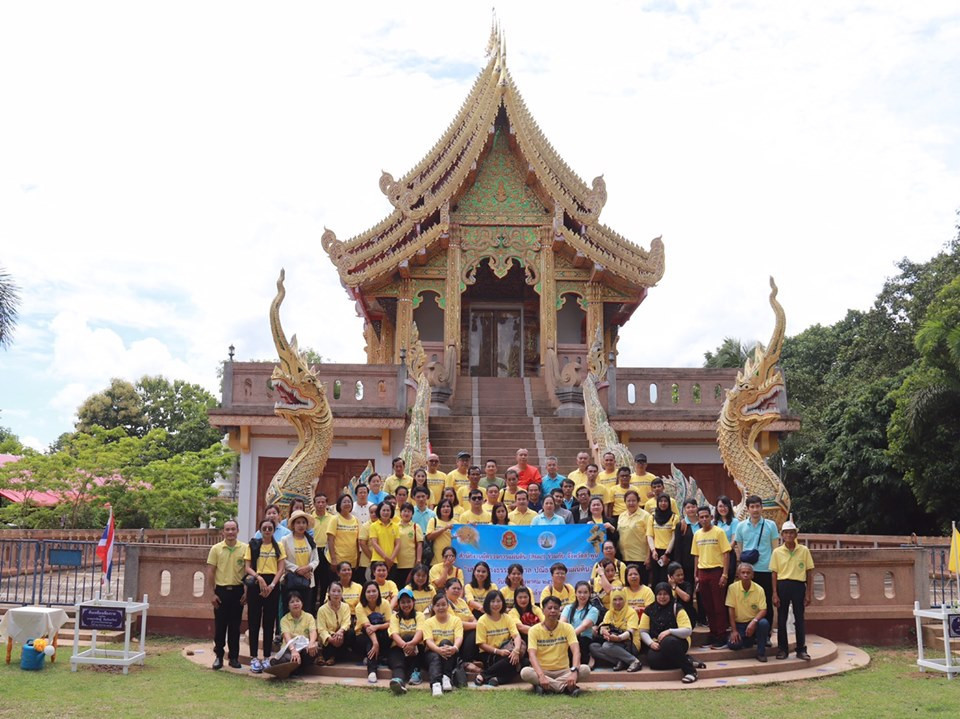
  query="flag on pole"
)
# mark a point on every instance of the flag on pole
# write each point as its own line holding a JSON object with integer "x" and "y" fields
{"x": 954, "y": 565}
{"x": 105, "y": 549}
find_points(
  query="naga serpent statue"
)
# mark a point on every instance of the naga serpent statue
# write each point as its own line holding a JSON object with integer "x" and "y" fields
{"x": 750, "y": 407}
{"x": 302, "y": 401}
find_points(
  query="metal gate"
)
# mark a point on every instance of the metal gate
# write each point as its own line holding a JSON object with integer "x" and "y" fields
{"x": 52, "y": 572}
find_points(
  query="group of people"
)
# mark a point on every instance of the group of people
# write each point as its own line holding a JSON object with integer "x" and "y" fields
{"x": 376, "y": 579}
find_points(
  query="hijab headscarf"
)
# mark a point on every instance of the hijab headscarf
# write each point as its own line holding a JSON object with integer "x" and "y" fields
{"x": 662, "y": 616}
{"x": 662, "y": 516}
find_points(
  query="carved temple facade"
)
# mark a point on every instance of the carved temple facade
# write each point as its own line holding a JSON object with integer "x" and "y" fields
{"x": 495, "y": 262}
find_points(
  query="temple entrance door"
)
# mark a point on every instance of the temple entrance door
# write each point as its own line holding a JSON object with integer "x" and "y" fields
{"x": 496, "y": 341}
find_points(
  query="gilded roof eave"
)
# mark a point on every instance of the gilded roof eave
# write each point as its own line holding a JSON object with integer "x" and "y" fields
{"x": 418, "y": 220}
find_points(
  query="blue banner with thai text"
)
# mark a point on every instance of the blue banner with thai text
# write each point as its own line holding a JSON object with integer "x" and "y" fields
{"x": 578, "y": 546}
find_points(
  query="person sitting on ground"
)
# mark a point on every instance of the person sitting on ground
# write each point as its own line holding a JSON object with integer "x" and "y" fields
{"x": 406, "y": 633}
{"x": 610, "y": 552}
{"x": 525, "y": 613}
{"x": 558, "y": 586}
{"x": 420, "y": 588}
{"x": 478, "y": 588}
{"x": 551, "y": 669}
{"x": 442, "y": 635}
{"x": 681, "y": 588}
{"x": 665, "y": 630}
{"x": 637, "y": 594}
{"x": 373, "y": 621}
{"x": 792, "y": 567}
{"x": 299, "y": 630}
{"x": 583, "y": 617}
{"x": 606, "y": 582}
{"x": 747, "y": 605}
{"x": 447, "y": 569}
{"x": 617, "y": 630}
{"x": 334, "y": 632}
{"x": 458, "y": 606}
{"x": 499, "y": 641}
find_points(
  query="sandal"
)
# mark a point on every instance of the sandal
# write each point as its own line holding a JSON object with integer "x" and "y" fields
{"x": 478, "y": 680}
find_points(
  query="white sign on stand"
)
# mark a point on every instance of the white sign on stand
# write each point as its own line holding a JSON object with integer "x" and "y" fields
{"x": 101, "y": 614}
{"x": 950, "y": 617}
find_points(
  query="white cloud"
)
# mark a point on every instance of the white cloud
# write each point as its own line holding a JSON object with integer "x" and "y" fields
{"x": 177, "y": 158}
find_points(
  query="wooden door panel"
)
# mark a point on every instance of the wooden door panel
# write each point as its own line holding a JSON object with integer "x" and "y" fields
{"x": 336, "y": 475}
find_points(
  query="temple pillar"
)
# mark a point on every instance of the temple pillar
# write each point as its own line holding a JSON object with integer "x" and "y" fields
{"x": 404, "y": 318}
{"x": 387, "y": 340}
{"x": 594, "y": 312}
{"x": 451, "y": 309}
{"x": 548, "y": 297}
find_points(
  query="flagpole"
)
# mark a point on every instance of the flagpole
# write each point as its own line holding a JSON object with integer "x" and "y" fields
{"x": 956, "y": 574}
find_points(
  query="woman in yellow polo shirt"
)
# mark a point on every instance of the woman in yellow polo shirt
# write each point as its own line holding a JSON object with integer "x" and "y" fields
{"x": 407, "y": 635}
{"x": 610, "y": 553}
{"x": 637, "y": 594}
{"x": 606, "y": 582}
{"x": 410, "y": 540}
{"x": 443, "y": 635}
{"x": 421, "y": 589}
{"x": 263, "y": 563}
{"x": 633, "y": 525}
{"x": 373, "y": 621}
{"x": 295, "y": 627}
{"x": 499, "y": 641}
{"x": 458, "y": 605}
{"x": 383, "y": 536}
{"x": 343, "y": 532}
{"x": 388, "y": 588}
{"x": 617, "y": 630}
{"x": 661, "y": 535}
{"x": 480, "y": 584}
{"x": 447, "y": 569}
{"x": 334, "y": 631}
{"x": 352, "y": 591}
{"x": 439, "y": 528}
{"x": 514, "y": 582}
{"x": 525, "y": 613}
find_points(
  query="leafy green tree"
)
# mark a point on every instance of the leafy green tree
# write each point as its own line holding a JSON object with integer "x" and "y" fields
{"x": 119, "y": 405}
{"x": 10, "y": 443}
{"x": 180, "y": 408}
{"x": 730, "y": 354}
{"x": 9, "y": 307}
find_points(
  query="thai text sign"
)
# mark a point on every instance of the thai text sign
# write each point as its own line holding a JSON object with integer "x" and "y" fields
{"x": 578, "y": 546}
{"x": 102, "y": 617}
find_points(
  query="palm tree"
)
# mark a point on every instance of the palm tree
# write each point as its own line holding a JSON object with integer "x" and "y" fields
{"x": 731, "y": 354}
{"x": 9, "y": 304}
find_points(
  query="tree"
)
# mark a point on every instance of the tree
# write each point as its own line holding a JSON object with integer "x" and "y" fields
{"x": 117, "y": 406}
{"x": 10, "y": 443}
{"x": 730, "y": 354}
{"x": 9, "y": 307}
{"x": 181, "y": 409}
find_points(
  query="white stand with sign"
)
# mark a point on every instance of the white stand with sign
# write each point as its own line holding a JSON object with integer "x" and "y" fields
{"x": 100, "y": 614}
{"x": 950, "y": 616}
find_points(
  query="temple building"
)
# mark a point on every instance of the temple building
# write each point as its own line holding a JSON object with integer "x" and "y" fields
{"x": 494, "y": 261}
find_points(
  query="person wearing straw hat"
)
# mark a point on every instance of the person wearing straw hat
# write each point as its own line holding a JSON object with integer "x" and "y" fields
{"x": 301, "y": 561}
{"x": 791, "y": 565}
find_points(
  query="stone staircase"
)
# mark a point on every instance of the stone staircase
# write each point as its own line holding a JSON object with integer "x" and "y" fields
{"x": 492, "y": 417}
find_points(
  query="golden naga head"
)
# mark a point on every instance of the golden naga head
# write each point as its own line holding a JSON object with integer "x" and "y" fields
{"x": 296, "y": 385}
{"x": 759, "y": 394}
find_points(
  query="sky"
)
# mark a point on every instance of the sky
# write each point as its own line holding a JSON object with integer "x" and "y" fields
{"x": 160, "y": 162}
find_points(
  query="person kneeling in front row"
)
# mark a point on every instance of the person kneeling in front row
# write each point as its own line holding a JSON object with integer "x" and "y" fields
{"x": 665, "y": 630}
{"x": 550, "y": 667}
{"x": 747, "y": 605}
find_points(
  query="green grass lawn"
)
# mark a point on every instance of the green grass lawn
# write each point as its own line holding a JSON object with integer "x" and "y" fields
{"x": 170, "y": 686}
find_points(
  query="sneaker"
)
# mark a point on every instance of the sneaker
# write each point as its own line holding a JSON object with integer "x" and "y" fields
{"x": 782, "y": 654}
{"x": 762, "y": 658}
{"x": 538, "y": 690}
{"x": 575, "y": 692}
{"x": 372, "y": 678}
{"x": 803, "y": 655}
{"x": 415, "y": 677}
{"x": 719, "y": 644}
{"x": 445, "y": 683}
{"x": 396, "y": 686}
{"x": 619, "y": 666}
{"x": 493, "y": 682}
{"x": 635, "y": 666}
{"x": 689, "y": 678}
{"x": 255, "y": 666}
{"x": 437, "y": 691}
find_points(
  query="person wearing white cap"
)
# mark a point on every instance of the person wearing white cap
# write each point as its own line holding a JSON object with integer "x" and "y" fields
{"x": 791, "y": 565}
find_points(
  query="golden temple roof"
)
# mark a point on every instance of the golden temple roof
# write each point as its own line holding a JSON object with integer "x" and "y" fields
{"x": 422, "y": 197}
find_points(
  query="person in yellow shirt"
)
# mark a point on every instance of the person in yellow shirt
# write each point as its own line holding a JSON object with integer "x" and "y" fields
{"x": 791, "y": 565}
{"x": 661, "y": 536}
{"x": 558, "y": 586}
{"x": 619, "y": 489}
{"x": 406, "y": 631}
{"x": 637, "y": 594}
{"x": 513, "y": 486}
{"x": 225, "y": 578}
{"x": 617, "y": 630}
{"x": 443, "y": 636}
{"x": 302, "y": 559}
{"x": 492, "y": 493}
{"x": 460, "y": 476}
{"x": 656, "y": 486}
{"x": 342, "y": 535}
{"x": 514, "y": 582}
{"x": 579, "y": 475}
{"x": 323, "y": 573}
{"x": 641, "y": 478}
{"x": 399, "y": 478}
{"x": 473, "y": 483}
{"x": 421, "y": 589}
{"x": 351, "y": 591}
{"x": 410, "y": 541}
{"x": 383, "y": 536}
{"x": 548, "y": 644}
{"x": 333, "y": 626}
{"x": 297, "y": 627}
{"x": 609, "y": 551}
{"x": 475, "y": 514}
{"x": 747, "y": 607}
{"x": 608, "y": 474}
{"x": 710, "y": 548}
{"x": 597, "y": 490}
{"x": 446, "y": 570}
{"x": 478, "y": 588}
{"x": 665, "y": 630}
{"x": 436, "y": 480}
{"x": 633, "y": 526}
{"x": 388, "y": 588}
{"x": 525, "y": 613}
{"x": 499, "y": 641}
{"x": 458, "y": 605}
{"x": 522, "y": 515}
{"x": 373, "y": 622}
{"x": 606, "y": 582}
{"x": 264, "y": 565}
{"x": 439, "y": 529}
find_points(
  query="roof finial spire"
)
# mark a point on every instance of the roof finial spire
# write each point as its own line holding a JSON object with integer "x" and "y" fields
{"x": 494, "y": 33}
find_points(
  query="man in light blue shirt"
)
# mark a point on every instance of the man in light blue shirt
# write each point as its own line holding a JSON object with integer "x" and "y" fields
{"x": 551, "y": 480}
{"x": 760, "y": 534}
{"x": 422, "y": 514}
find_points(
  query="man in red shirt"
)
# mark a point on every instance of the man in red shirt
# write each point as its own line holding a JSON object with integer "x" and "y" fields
{"x": 526, "y": 473}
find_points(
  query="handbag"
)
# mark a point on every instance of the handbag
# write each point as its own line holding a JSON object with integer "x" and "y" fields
{"x": 459, "y": 677}
{"x": 426, "y": 553}
{"x": 752, "y": 556}
{"x": 296, "y": 582}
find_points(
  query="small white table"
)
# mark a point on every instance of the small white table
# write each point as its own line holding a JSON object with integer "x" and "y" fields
{"x": 100, "y": 610}
{"x": 947, "y": 615}
{"x": 22, "y": 623}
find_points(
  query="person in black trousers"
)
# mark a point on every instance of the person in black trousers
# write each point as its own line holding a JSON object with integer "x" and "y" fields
{"x": 264, "y": 565}
{"x": 225, "y": 577}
